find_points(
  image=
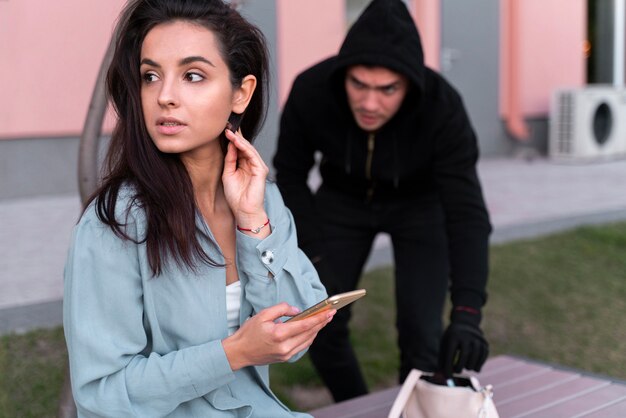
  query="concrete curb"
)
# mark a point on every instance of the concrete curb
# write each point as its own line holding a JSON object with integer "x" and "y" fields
{"x": 22, "y": 319}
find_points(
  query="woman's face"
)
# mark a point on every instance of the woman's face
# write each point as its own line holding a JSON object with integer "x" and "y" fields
{"x": 186, "y": 93}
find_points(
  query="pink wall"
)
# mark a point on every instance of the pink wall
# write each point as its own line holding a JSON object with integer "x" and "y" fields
{"x": 50, "y": 53}
{"x": 541, "y": 49}
{"x": 308, "y": 31}
{"x": 427, "y": 15}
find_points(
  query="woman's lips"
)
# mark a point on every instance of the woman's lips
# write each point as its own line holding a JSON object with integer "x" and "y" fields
{"x": 170, "y": 127}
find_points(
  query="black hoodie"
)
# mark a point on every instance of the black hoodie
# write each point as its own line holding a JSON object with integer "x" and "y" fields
{"x": 427, "y": 151}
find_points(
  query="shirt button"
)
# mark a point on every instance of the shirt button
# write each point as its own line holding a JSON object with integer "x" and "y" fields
{"x": 267, "y": 257}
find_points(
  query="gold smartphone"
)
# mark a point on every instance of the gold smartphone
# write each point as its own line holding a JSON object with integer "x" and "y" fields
{"x": 334, "y": 302}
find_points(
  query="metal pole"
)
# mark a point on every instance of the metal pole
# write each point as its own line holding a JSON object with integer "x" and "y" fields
{"x": 89, "y": 140}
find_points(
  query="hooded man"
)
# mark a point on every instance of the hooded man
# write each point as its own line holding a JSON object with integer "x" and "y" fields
{"x": 398, "y": 156}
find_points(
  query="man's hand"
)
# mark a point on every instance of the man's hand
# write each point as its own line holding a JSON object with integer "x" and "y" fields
{"x": 463, "y": 345}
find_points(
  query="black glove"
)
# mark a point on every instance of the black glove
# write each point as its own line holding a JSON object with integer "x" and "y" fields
{"x": 463, "y": 345}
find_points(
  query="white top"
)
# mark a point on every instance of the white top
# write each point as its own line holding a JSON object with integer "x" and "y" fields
{"x": 233, "y": 304}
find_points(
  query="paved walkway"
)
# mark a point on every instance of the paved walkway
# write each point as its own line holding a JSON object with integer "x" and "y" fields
{"x": 525, "y": 199}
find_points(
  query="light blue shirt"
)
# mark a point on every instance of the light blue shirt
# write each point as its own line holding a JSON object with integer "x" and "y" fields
{"x": 149, "y": 346}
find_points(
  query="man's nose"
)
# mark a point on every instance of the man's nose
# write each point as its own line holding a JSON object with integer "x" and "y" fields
{"x": 370, "y": 100}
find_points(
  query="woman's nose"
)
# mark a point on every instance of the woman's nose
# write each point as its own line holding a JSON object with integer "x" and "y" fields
{"x": 168, "y": 95}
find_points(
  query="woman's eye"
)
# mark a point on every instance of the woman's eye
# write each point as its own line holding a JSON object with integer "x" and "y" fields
{"x": 193, "y": 77}
{"x": 149, "y": 77}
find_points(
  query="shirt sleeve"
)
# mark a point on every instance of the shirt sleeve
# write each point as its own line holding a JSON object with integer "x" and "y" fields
{"x": 275, "y": 270}
{"x": 112, "y": 370}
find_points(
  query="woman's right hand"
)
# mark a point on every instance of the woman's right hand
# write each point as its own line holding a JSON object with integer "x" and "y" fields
{"x": 263, "y": 339}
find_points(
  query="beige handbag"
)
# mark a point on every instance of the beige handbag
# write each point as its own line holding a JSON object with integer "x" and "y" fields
{"x": 419, "y": 398}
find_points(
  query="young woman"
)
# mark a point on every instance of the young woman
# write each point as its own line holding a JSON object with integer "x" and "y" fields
{"x": 186, "y": 259}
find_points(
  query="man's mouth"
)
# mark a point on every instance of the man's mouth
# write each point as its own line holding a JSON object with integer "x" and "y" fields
{"x": 368, "y": 118}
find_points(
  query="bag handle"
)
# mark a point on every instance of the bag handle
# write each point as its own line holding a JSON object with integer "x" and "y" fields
{"x": 404, "y": 394}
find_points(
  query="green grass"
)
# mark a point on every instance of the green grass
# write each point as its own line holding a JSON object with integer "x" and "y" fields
{"x": 562, "y": 299}
{"x": 31, "y": 373}
{"x": 558, "y": 299}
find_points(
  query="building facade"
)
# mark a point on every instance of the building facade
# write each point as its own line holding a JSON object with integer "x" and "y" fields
{"x": 504, "y": 56}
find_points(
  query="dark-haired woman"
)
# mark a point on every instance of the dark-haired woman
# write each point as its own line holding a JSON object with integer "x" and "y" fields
{"x": 186, "y": 259}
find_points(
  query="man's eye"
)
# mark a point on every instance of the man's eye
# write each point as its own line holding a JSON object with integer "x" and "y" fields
{"x": 193, "y": 77}
{"x": 389, "y": 90}
{"x": 357, "y": 85}
{"x": 149, "y": 77}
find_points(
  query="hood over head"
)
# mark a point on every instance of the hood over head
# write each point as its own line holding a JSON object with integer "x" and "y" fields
{"x": 384, "y": 35}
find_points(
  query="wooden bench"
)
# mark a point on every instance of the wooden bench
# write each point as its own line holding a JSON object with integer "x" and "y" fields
{"x": 522, "y": 388}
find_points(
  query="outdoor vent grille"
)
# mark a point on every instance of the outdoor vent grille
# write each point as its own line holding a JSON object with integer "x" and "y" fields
{"x": 588, "y": 123}
{"x": 565, "y": 127}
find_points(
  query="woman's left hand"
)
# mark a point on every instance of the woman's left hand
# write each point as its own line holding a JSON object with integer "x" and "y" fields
{"x": 244, "y": 181}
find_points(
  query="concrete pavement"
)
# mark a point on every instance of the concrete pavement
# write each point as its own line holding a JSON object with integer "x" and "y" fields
{"x": 526, "y": 198}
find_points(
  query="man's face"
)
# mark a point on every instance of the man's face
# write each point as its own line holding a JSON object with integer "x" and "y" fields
{"x": 374, "y": 94}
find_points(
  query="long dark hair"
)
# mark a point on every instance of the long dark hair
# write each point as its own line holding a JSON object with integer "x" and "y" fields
{"x": 159, "y": 182}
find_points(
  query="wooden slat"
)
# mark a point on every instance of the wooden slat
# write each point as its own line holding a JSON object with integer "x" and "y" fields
{"x": 503, "y": 393}
{"x": 527, "y": 404}
{"x": 374, "y": 405}
{"x": 581, "y": 405}
{"x": 616, "y": 410}
{"x": 497, "y": 364}
{"x": 506, "y": 377}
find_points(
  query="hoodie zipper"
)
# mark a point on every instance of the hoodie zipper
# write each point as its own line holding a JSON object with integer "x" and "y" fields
{"x": 368, "y": 165}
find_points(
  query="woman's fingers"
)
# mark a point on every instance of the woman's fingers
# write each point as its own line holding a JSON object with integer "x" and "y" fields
{"x": 300, "y": 331}
{"x": 244, "y": 145}
{"x": 244, "y": 178}
{"x": 293, "y": 337}
{"x": 274, "y": 312}
{"x": 230, "y": 160}
{"x": 282, "y": 340}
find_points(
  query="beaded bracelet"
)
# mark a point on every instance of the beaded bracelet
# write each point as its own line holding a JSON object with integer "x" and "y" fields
{"x": 254, "y": 230}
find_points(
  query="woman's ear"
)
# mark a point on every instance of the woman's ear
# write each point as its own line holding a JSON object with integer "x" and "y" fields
{"x": 243, "y": 94}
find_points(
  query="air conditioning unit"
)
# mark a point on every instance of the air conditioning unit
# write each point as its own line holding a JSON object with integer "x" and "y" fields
{"x": 588, "y": 124}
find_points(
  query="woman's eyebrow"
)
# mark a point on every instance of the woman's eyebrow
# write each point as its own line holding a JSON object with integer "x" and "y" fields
{"x": 195, "y": 58}
{"x": 148, "y": 61}
{"x": 184, "y": 61}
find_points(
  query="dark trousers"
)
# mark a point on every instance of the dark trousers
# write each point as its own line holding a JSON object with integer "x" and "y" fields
{"x": 418, "y": 237}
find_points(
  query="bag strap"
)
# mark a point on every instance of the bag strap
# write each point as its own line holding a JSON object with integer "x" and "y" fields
{"x": 487, "y": 393}
{"x": 404, "y": 394}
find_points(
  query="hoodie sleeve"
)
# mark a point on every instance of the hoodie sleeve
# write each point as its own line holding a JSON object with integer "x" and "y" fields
{"x": 293, "y": 161}
{"x": 467, "y": 220}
